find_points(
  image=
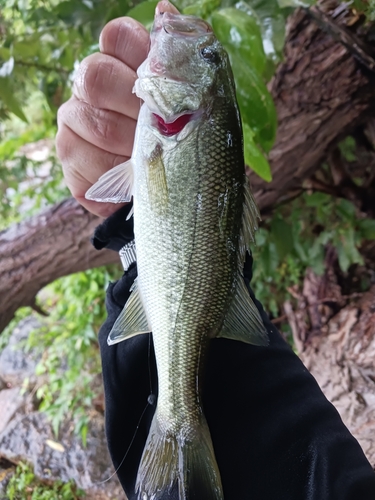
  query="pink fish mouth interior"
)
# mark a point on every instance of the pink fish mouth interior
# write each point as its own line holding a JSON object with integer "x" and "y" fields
{"x": 169, "y": 129}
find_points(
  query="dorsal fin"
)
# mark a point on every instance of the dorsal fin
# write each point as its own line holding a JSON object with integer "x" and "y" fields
{"x": 250, "y": 219}
{"x": 243, "y": 321}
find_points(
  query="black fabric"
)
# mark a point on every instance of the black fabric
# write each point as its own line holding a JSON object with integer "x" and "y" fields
{"x": 276, "y": 437}
{"x": 115, "y": 231}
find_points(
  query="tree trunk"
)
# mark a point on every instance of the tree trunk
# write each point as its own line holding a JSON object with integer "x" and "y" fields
{"x": 335, "y": 338}
{"x": 321, "y": 93}
{"x": 42, "y": 249}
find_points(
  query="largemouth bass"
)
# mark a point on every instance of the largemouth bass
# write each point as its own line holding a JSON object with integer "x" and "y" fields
{"x": 194, "y": 219}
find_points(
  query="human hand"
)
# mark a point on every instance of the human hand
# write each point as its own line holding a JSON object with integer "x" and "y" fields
{"x": 96, "y": 125}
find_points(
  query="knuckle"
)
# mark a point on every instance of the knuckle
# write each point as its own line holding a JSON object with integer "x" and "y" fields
{"x": 65, "y": 145}
{"x": 106, "y": 128}
{"x": 116, "y": 34}
{"x": 61, "y": 115}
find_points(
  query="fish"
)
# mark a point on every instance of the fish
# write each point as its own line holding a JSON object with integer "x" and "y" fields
{"x": 194, "y": 221}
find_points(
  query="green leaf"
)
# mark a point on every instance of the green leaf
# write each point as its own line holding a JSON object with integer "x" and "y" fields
{"x": 300, "y": 251}
{"x": 347, "y": 250}
{"x": 27, "y": 48}
{"x": 317, "y": 199}
{"x": 240, "y": 35}
{"x": 73, "y": 12}
{"x": 316, "y": 257}
{"x": 254, "y": 158}
{"x": 344, "y": 261}
{"x": 255, "y": 103}
{"x": 269, "y": 259}
{"x": 202, "y": 8}
{"x": 371, "y": 10}
{"x": 272, "y": 22}
{"x": 367, "y": 229}
{"x": 282, "y": 236}
{"x": 5, "y": 53}
{"x": 144, "y": 12}
{"x": 7, "y": 96}
{"x": 348, "y": 149}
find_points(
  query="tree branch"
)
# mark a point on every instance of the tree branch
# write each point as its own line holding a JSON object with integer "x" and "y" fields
{"x": 42, "y": 249}
{"x": 321, "y": 93}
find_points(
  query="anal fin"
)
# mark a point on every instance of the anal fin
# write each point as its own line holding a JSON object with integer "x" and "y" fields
{"x": 243, "y": 321}
{"x": 132, "y": 319}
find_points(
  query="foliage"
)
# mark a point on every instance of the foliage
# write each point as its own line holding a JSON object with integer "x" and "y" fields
{"x": 42, "y": 41}
{"x": 371, "y": 10}
{"x": 23, "y": 485}
{"x": 296, "y": 238}
{"x": 28, "y": 184}
{"x": 68, "y": 344}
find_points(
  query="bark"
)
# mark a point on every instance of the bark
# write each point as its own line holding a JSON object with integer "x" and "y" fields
{"x": 321, "y": 91}
{"x": 42, "y": 249}
{"x": 335, "y": 338}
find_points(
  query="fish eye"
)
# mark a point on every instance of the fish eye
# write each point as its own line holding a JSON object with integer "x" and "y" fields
{"x": 211, "y": 55}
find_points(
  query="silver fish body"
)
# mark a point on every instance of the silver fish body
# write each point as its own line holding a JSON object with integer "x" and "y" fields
{"x": 194, "y": 218}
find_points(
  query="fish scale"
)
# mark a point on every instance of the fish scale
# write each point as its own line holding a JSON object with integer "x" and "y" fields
{"x": 201, "y": 291}
{"x": 194, "y": 219}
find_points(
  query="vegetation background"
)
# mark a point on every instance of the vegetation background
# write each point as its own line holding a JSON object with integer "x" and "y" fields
{"x": 314, "y": 179}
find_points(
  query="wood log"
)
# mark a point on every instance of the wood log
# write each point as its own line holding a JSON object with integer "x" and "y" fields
{"x": 36, "y": 252}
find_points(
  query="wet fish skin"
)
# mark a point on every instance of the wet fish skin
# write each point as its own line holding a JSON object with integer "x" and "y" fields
{"x": 194, "y": 218}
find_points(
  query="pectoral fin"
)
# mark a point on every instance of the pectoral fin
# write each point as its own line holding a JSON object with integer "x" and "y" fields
{"x": 157, "y": 181}
{"x": 132, "y": 320}
{"x": 243, "y": 321}
{"x": 115, "y": 186}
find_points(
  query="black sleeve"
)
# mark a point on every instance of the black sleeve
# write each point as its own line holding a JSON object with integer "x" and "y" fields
{"x": 276, "y": 437}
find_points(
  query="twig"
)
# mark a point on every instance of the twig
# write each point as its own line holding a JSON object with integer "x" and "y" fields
{"x": 280, "y": 319}
{"x": 37, "y": 308}
{"x": 41, "y": 67}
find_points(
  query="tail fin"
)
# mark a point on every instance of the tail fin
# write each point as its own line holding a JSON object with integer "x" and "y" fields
{"x": 185, "y": 461}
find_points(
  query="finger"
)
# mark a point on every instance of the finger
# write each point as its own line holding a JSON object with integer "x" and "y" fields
{"x": 125, "y": 39}
{"x": 83, "y": 163}
{"x": 107, "y": 83}
{"x": 108, "y": 130}
{"x": 103, "y": 210}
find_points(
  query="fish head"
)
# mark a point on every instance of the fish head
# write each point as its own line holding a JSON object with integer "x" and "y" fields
{"x": 185, "y": 70}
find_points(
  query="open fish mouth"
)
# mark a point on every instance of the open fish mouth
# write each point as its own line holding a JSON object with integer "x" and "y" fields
{"x": 177, "y": 25}
{"x": 174, "y": 127}
{"x": 175, "y": 124}
{"x": 178, "y": 52}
